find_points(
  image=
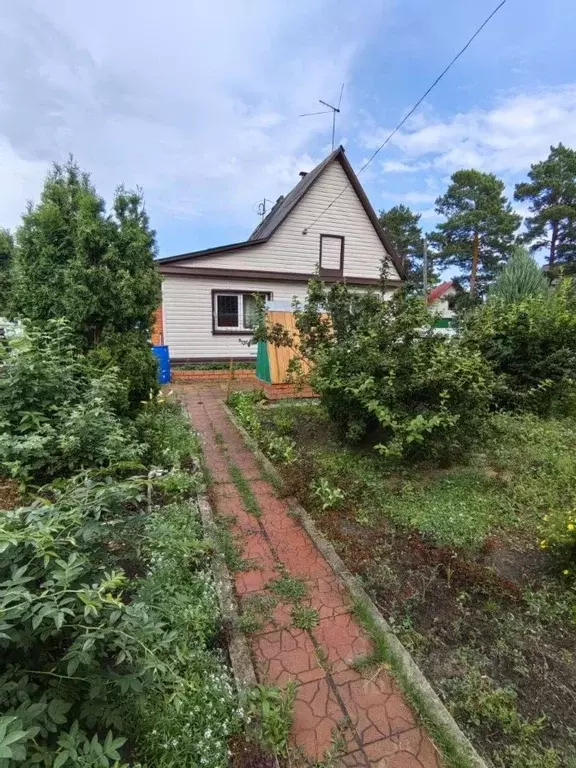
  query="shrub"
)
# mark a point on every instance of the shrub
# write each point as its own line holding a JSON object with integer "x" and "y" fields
{"x": 55, "y": 411}
{"x": 71, "y": 646}
{"x": 531, "y": 344}
{"x": 379, "y": 367}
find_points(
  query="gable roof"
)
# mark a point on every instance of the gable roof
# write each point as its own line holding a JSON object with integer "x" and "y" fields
{"x": 285, "y": 205}
{"x": 439, "y": 290}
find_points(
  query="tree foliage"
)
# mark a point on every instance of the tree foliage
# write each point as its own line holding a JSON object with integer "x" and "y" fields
{"x": 403, "y": 228}
{"x": 531, "y": 344}
{"x": 475, "y": 205}
{"x": 551, "y": 193}
{"x": 520, "y": 277}
{"x": 6, "y": 254}
{"x": 96, "y": 270}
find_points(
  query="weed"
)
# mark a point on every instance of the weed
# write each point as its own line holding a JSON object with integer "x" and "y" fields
{"x": 228, "y": 547}
{"x": 305, "y": 618}
{"x": 289, "y": 588}
{"x": 248, "y": 499}
{"x": 269, "y": 711}
{"x": 257, "y": 611}
{"x": 329, "y": 496}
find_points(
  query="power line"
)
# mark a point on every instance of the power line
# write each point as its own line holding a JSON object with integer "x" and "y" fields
{"x": 411, "y": 112}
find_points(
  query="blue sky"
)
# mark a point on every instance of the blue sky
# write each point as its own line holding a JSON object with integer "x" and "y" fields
{"x": 198, "y": 103}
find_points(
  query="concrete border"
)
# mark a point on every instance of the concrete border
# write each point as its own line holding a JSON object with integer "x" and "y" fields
{"x": 411, "y": 672}
{"x": 238, "y": 650}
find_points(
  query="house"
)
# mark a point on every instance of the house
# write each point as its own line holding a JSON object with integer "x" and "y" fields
{"x": 440, "y": 302}
{"x": 325, "y": 223}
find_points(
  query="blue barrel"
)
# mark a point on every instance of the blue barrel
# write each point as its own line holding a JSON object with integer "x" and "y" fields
{"x": 161, "y": 354}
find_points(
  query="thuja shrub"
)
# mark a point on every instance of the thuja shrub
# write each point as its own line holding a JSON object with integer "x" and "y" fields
{"x": 382, "y": 370}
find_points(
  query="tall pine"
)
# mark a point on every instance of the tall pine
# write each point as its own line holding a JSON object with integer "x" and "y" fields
{"x": 478, "y": 232}
{"x": 76, "y": 261}
{"x": 551, "y": 193}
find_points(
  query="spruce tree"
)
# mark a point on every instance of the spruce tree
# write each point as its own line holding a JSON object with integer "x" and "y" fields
{"x": 520, "y": 278}
{"x": 551, "y": 193}
{"x": 76, "y": 261}
{"x": 478, "y": 232}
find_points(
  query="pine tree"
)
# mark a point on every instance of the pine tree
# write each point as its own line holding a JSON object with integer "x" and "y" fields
{"x": 403, "y": 228}
{"x": 551, "y": 192}
{"x": 6, "y": 254}
{"x": 97, "y": 270}
{"x": 478, "y": 233}
{"x": 520, "y": 278}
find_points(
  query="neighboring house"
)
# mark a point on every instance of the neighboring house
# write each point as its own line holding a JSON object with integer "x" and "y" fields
{"x": 208, "y": 296}
{"x": 440, "y": 302}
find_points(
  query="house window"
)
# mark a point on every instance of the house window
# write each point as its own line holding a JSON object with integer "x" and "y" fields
{"x": 331, "y": 255}
{"x": 234, "y": 312}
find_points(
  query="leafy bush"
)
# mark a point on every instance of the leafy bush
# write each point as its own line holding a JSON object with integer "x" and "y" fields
{"x": 71, "y": 646}
{"x": 531, "y": 344}
{"x": 164, "y": 431}
{"x": 379, "y": 367}
{"x": 55, "y": 411}
{"x": 130, "y": 356}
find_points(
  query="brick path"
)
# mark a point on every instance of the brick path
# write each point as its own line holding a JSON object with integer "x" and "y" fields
{"x": 365, "y": 716}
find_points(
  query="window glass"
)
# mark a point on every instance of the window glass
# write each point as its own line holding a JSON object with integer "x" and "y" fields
{"x": 227, "y": 311}
{"x": 249, "y": 306}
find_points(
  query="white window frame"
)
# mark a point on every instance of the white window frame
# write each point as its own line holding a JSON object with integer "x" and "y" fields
{"x": 240, "y": 328}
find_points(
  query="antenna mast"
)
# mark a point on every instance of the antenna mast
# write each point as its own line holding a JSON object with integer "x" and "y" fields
{"x": 334, "y": 110}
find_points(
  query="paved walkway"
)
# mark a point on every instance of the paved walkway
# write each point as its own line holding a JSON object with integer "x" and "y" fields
{"x": 365, "y": 718}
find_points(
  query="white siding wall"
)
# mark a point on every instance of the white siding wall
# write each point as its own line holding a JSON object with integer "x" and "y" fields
{"x": 187, "y": 306}
{"x": 288, "y": 250}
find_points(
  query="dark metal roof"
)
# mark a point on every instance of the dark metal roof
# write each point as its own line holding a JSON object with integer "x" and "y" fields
{"x": 285, "y": 205}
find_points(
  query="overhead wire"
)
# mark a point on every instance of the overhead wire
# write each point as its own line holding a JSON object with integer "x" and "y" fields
{"x": 411, "y": 112}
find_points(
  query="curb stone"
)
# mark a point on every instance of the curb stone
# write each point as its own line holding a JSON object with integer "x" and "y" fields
{"x": 240, "y": 657}
{"x": 435, "y": 708}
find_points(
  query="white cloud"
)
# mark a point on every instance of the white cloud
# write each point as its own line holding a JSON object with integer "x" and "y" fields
{"x": 196, "y": 102}
{"x": 396, "y": 166}
{"x": 505, "y": 139}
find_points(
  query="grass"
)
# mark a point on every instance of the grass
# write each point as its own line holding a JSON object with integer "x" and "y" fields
{"x": 257, "y": 611}
{"x": 248, "y": 498}
{"x": 304, "y": 617}
{"x": 452, "y": 752}
{"x": 288, "y": 588}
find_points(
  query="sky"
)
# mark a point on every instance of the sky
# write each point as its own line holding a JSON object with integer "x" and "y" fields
{"x": 198, "y": 103}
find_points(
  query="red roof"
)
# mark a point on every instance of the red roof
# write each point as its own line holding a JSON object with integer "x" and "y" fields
{"x": 438, "y": 291}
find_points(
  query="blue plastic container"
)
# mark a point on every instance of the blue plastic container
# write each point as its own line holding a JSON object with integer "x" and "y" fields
{"x": 161, "y": 354}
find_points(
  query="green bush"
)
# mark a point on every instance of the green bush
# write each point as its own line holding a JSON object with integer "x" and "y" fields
{"x": 71, "y": 644}
{"x": 55, "y": 410}
{"x": 130, "y": 355}
{"x": 382, "y": 370}
{"x": 531, "y": 344}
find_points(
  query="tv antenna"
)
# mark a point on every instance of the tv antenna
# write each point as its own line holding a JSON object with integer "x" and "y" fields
{"x": 260, "y": 208}
{"x": 332, "y": 109}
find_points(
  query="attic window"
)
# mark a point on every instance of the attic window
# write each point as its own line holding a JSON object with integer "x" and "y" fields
{"x": 331, "y": 255}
